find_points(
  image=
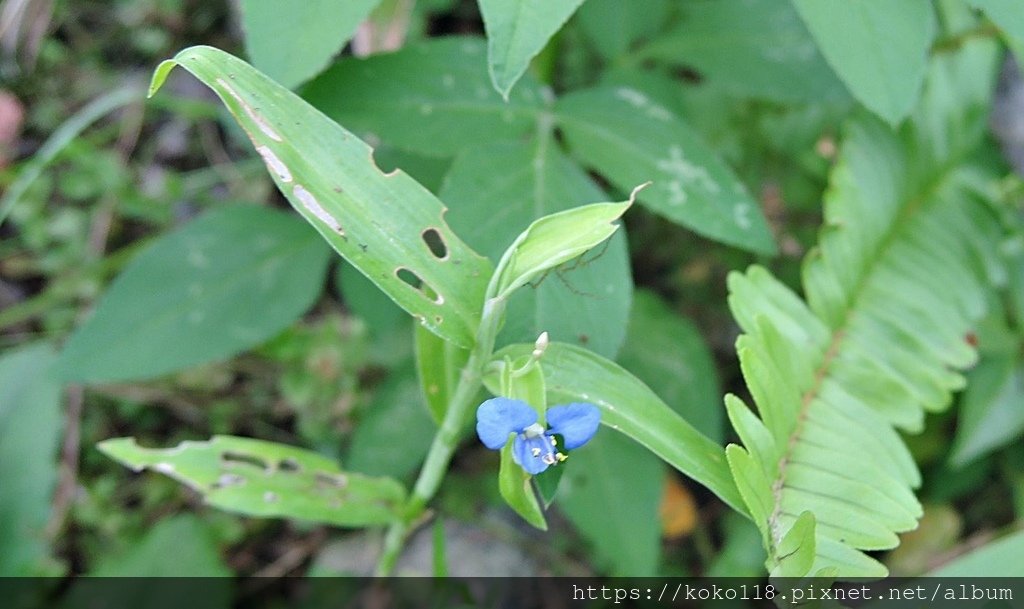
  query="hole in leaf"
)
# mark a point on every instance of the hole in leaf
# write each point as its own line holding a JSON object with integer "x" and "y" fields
{"x": 414, "y": 280}
{"x": 409, "y": 277}
{"x": 289, "y": 465}
{"x": 335, "y": 480}
{"x": 435, "y": 242}
{"x": 239, "y": 458}
{"x": 228, "y": 480}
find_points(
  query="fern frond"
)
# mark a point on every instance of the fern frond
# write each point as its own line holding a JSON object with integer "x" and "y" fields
{"x": 901, "y": 273}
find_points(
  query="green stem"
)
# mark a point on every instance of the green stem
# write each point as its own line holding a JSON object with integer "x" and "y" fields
{"x": 446, "y": 440}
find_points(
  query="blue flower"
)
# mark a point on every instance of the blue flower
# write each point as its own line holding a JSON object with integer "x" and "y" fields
{"x": 534, "y": 448}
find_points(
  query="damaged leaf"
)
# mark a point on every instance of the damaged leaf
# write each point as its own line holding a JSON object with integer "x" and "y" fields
{"x": 267, "y": 479}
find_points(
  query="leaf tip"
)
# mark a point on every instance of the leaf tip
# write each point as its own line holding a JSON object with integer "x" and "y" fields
{"x": 637, "y": 189}
{"x": 160, "y": 75}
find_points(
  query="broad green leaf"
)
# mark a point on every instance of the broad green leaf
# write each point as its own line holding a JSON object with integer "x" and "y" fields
{"x": 1000, "y": 558}
{"x": 269, "y": 480}
{"x": 383, "y": 224}
{"x": 224, "y": 283}
{"x": 667, "y": 353}
{"x": 627, "y": 405}
{"x": 879, "y": 48}
{"x": 176, "y": 559}
{"x": 555, "y": 239}
{"x": 394, "y": 432}
{"x": 629, "y": 139}
{"x": 612, "y": 26}
{"x": 1006, "y": 14}
{"x": 293, "y": 41}
{"x": 30, "y": 433}
{"x": 758, "y": 48}
{"x": 432, "y": 97}
{"x": 184, "y": 537}
{"x": 990, "y": 414}
{"x": 495, "y": 192}
{"x": 610, "y": 491}
{"x": 438, "y": 365}
{"x": 516, "y": 31}
{"x": 363, "y": 298}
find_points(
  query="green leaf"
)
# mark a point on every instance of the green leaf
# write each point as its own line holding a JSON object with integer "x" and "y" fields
{"x": 1006, "y": 14}
{"x": 990, "y": 413}
{"x": 189, "y": 540}
{"x": 758, "y": 48}
{"x": 516, "y": 31}
{"x": 495, "y": 192}
{"x": 394, "y": 432}
{"x": 574, "y": 374}
{"x": 432, "y": 97}
{"x": 880, "y": 339}
{"x": 630, "y": 139}
{"x": 226, "y": 282}
{"x": 741, "y": 554}
{"x": 612, "y": 27}
{"x": 293, "y": 41}
{"x": 30, "y": 433}
{"x": 438, "y": 366}
{"x": 612, "y": 470}
{"x": 555, "y": 239}
{"x": 381, "y": 223}
{"x": 999, "y": 558}
{"x": 668, "y": 354}
{"x": 879, "y": 48}
{"x": 796, "y": 550}
{"x": 269, "y": 480}
{"x": 363, "y": 298}
{"x": 177, "y": 558}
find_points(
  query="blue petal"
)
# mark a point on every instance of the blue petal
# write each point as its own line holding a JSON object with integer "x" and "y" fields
{"x": 498, "y": 417}
{"x": 576, "y": 423}
{"x": 524, "y": 449}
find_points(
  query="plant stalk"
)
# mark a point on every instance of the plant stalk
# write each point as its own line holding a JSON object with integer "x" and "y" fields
{"x": 447, "y": 437}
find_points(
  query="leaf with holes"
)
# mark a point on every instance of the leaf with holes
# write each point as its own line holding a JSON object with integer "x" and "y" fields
{"x": 267, "y": 479}
{"x": 496, "y": 191}
{"x": 516, "y": 31}
{"x": 387, "y": 225}
{"x": 431, "y": 97}
{"x": 630, "y": 139}
{"x": 224, "y": 283}
{"x": 556, "y": 239}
